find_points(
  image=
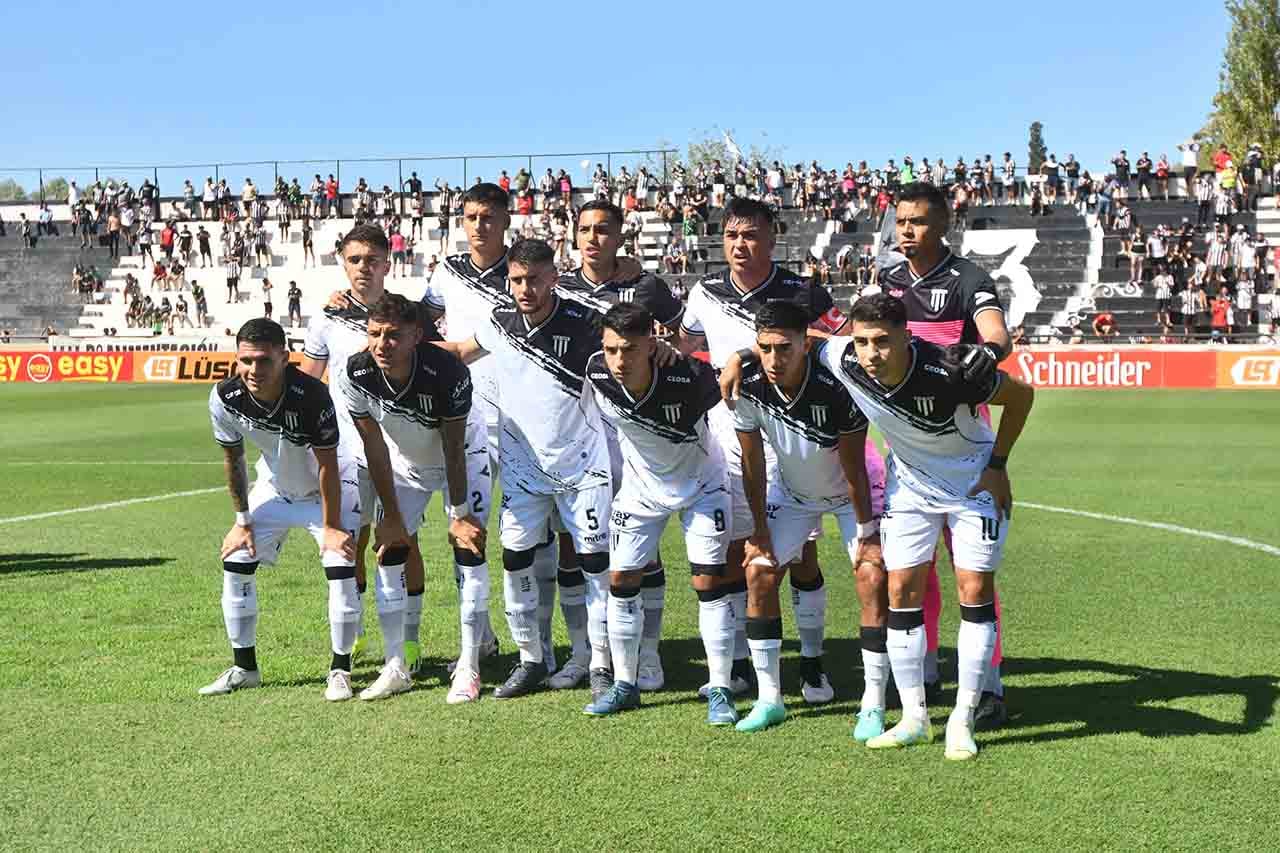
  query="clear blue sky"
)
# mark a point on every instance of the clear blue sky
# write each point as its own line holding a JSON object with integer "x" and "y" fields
{"x": 87, "y": 83}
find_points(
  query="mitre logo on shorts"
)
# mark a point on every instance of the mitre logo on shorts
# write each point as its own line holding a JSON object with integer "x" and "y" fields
{"x": 560, "y": 343}
{"x": 1256, "y": 370}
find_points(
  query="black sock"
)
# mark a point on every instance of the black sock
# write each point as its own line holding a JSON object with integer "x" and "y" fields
{"x": 342, "y": 662}
{"x": 246, "y": 659}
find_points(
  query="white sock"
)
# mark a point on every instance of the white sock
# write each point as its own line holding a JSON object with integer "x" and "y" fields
{"x": 473, "y": 606}
{"x": 240, "y": 609}
{"x": 626, "y": 624}
{"x": 810, "y": 607}
{"x": 485, "y": 627}
{"x": 544, "y": 569}
{"x": 906, "y": 644}
{"x": 598, "y": 619}
{"x": 573, "y": 606}
{"x": 715, "y": 623}
{"x": 412, "y": 617}
{"x": 520, "y": 590}
{"x": 738, "y": 605}
{"x": 344, "y": 615}
{"x": 974, "y": 644}
{"x": 390, "y": 595}
{"x": 654, "y": 602}
{"x": 875, "y": 667}
{"x": 766, "y": 657}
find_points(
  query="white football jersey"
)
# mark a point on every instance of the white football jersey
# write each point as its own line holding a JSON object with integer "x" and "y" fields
{"x": 438, "y": 390}
{"x": 667, "y": 455}
{"x": 334, "y": 336}
{"x": 804, "y": 431}
{"x": 552, "y": 438}
{"x": 938, "y": 446}
{"x": 302, "y": 419}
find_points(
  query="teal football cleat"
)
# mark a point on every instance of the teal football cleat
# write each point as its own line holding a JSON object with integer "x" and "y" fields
{"x": 763, "y": 715}
{"x": 620, "y": 696}
{"x": 870, "y": 724}
{"x": 720, "y": 710}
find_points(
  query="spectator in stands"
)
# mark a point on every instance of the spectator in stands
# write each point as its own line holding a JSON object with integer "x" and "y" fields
{"x": 144, "y": 245}
{"x": 181, "y": 318}
{"x": 417, "y": 207}
{"x": 1144, "y": 167}
{"x": 1190, "y": 163}
{"x": 1217, "y": 256}
{"x": 1009, "y": 174}
{"x": 1163, "y": 283}
{"x": 332, "y": 200}
{"x": 308, "y": 244}
{"x": 176, "y": 279}
{"x": 960, "y": 195}
{"x": 1205, "y": 195}
{"x": 1261, "y": 248}
{"x": 164, "y": 320}
{"x": 1050, "y": 169}
{"x": 1104, "y": 325}
{"x": 1123, "y": 219}
{"x": 1121, "y": 164}
{"x": 202, "y": 304}
{"x": 1137, "y": 255}
{"x": 248, "y": 195}
{"x": 1077, "y": 334}
{"x": 209, "y": 200}
{"x": 566, "y": 188}
{"x": 232, "y": 264}
{"x": 1105, "y": 195}
{"x": 397, "y": 254}
{"x": 1162, "y": 176}
{"x": 675, "y": 257}
{"x": 295, "y": 304}
{"x": 1221, "y": 310}
{"x": 266, "y": 298}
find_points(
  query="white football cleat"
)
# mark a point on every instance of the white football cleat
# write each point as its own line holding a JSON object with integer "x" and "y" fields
{"x": 738, "y": 685}
{"x": 649, "y": 675}
{"x": 960, "y": 743}
{"x": 465, "y": 687}
{"x": 568, "y": 676}
{"x": 232, "y": 679}
{"x": 391, "y": 680}
{"x": 818, "y": 694}
{"x": 338, "y": 686}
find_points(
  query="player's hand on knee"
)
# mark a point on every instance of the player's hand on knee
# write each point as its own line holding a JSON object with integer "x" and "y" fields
{"x": 467, "y": 533}
{"x": 238, "y": 538}
{"x": 996, "y": 483}
{"x": 338, "y": 299}
{"x": 868, "y": 554}
{"x": 758, "y": 551}
{"x": 339, "y": 542}
{"x": 389, "y": 533}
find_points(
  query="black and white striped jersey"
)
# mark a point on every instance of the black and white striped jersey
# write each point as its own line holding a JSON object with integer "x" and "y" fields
{"x": 938, "y": 445}
{"x": 648, "y": 291}
{"x": 285, "y": 431}
{"x": 468, "y": 296}
{"x": 802, "y": 431}
{"x": 333, "y": 336}
{"x": 552, "y": 439}
{"x": 438, "y": 390}
{"x": 725, "y": 315}
{"x": 667, "y": 453}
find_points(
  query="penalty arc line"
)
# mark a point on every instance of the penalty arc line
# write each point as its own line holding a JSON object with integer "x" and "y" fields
{"x": 112, "y": 505}
{"x": 1158, "y": 525}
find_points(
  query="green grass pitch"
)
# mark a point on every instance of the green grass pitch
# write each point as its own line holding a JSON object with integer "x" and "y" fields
{"x": 1141, "y": 670}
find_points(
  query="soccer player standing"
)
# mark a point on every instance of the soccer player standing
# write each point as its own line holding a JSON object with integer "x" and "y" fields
{"x": 410, "y": 402}
{"x": 290, "y": 418}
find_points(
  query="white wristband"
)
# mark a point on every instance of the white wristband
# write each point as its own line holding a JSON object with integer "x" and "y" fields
{"x": 457, "y": 511}
{"x": 243, "y": 519}
{"x": 871, "y": 528}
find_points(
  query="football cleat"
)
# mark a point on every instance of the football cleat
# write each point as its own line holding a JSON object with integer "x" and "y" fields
{"x": 412, "y": 655}
{"x": 763, "y": 715}
{"x": 525, "y": 678}
{"x": 488, "y": 650}
{"x": 601, "y": 681}
{"x": 870, "y": 724}
{"x": 650, "y": 676}
{"x": 232, "y": 679}
{"x": 908, "y": 732}
{"x": 815, "y": 687}
{"x": 720, "y": 710}
{"x": 991, "y": 713}
{"x": 391, "y": 680}
{"x": 960, "y": 743}
{"x": 337, "y": 687}
{"x": 568, "y": 676}
{"x": 619, "y": 697}
{"x": 738, "y": 685}
{"x": 464, "y": 688}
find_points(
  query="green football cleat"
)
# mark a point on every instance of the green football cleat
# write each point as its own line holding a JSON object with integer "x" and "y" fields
{"x": 906, "y": 733}
{"x": 412, "y": 654}
{"x": 870, "y": 724}
{"x": 763, "y": 715}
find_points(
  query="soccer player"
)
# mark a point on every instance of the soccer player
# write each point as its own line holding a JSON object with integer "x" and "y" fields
{"x": 290, "y": 418}
{"x": 719, "y": 315}
{"x": 673, "y": 466}
{"x": 551, "y": 446}
{"x": 949, "y": 300}
{"x": 946, "y": 468}
{"x": 791, "y": 403}
{"x": 605, "y": 280}
{"x": 333, "y": 336}
{"x": 410, "y": 402}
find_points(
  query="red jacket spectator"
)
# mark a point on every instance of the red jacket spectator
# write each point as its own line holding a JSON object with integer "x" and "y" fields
{"x": 524, "y": 204}
{"x": 331, "y": 190}
{"x": 1221, "y": 158}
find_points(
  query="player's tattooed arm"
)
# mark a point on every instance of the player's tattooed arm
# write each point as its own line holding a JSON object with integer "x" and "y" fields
{"x": 237, "y": 471}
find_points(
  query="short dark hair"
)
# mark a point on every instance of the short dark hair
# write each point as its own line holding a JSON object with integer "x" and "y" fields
{"x": 488, "y": 194}
{"x": 260, "y": 330}
{"x": 615, "y": 212}
{"x": 920, "y": 191}
{"x": 370, "y": 235}
{"x": 394, "y": 308}
{"x": 629, "y": 320}
{"x": 782, "y": 314}
{"x": 527, "y": 253}
{"x": 749, "y": 209}
{"x": 879, "y": 308}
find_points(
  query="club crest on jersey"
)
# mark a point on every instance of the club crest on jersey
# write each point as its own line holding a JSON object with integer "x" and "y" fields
{"x": 924, "y": 405}
{"x": 819, "y": 415}
{"x": 425, "y": 402}
{"x": 671, "y": 411}
{"x": 291, "y": 421}
{"x": 560, "y": 343}
{"x": 937, "y": 298}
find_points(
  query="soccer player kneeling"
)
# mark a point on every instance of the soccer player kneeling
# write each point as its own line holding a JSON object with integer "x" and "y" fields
{"x": 672, "y": 466}
{"x": 791, "y": 402}
{"x": 290, "y": 418}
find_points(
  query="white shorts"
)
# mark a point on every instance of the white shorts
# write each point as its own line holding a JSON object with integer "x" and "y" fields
{"x": 274, "y": 516}
{"x": 636, "y": 525}
{"x": 910, "y": 528}
{"x": 720, "y": 419}
{"x": 584, "y": 514}
{"x": 792, "y": 523}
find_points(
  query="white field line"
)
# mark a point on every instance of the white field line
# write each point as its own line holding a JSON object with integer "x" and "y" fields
{"x": 32, "y": 463}
{"x": 1158, "y": 525}
{"x": 112, "y": 505}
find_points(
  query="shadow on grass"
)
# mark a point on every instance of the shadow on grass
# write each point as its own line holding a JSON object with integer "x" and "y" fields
{"x": 43, "y": 564}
